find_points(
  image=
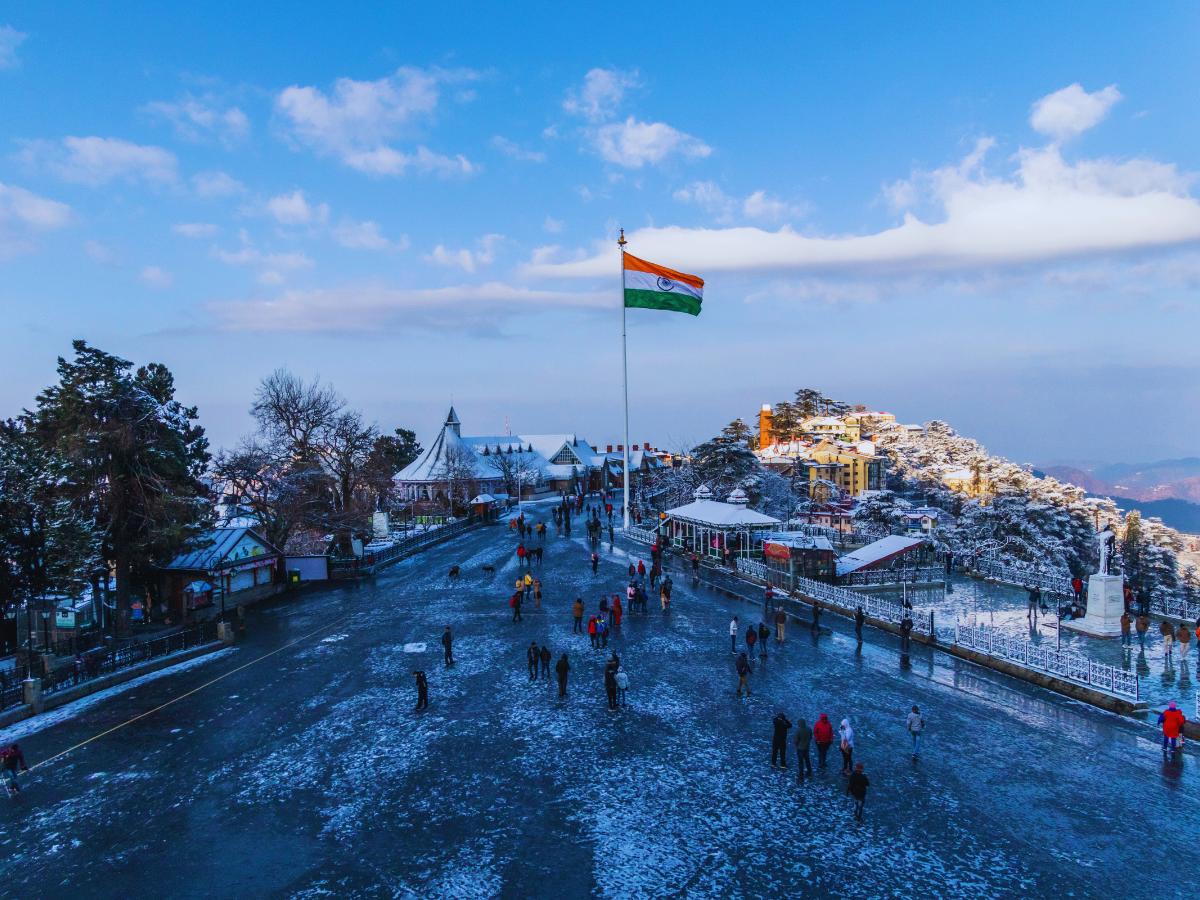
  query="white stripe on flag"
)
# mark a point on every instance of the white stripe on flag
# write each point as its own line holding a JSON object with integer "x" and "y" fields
{"x": 646, "y": 281}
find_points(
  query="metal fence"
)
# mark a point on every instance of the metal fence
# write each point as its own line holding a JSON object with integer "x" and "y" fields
{"x": 1034, "y": 576}
{"x": 1072, "y": 666}
{"x": 641, "y": 535}
{"x": 12, "y": 696}
{"x": 407, "y": 545}
{"x": 1175, "y": 608}
{"x": 894, "y": 576}
{"x": 98, "y": 665}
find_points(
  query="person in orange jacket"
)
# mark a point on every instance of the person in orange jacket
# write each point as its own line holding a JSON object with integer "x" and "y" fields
{"x": 1171, "y": 719}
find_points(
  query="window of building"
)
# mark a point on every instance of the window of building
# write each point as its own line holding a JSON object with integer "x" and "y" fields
{"x": 565, "y": 457}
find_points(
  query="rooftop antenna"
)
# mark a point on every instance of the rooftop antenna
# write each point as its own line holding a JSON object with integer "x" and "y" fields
{"x": 507, "y": 433}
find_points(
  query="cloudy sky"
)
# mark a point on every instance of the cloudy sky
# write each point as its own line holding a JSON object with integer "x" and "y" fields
{"x": 986, "y": 215}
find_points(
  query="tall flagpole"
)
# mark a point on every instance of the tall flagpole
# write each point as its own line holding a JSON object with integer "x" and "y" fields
{"x": 625, "y": 374}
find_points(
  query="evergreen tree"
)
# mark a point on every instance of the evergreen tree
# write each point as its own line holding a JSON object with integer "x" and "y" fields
{"x": 131, "y": 458}
{"x": 724, "y": 463}
{"x": 738, "y": 432}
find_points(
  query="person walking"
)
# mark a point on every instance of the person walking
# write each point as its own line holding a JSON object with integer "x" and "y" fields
{"x": 1168, "y": 635}
{"x": 856, "y": 787}
{"x": 533, "y": 656}
{"x": 1172, "y": 720}
{"x": 916, "y": 724}
{"x": 528, "y": 583}
{"x": 577, "y": 610}
{"x": 734, "y": 629}
{"x": 641, "y": 569}
{"x": 544, "y": 656}
{"x": 695, "y": 566}
{"x": 906, "y": 625}
{"x": 1184, "y": 637}
{"x": 592, "y": 633}
{"x": 1126, "y": 629}
{"x": 537, "y": 593}
{"x": 632, "y": 572}
{"x": 520, "y": 586}
{"x": 816, "y": 625}
{"x": 447, "y": 641}
{"x": 595, "y": 563}
{"x": 610, "y": 683}
{"x": 743, "y": 669}
{"x": 622, "y": 684}
{"x": 859, "y": 618}
{"x": 764, "y": 633}
{"x": 422, "y": 690}
{"x": 518, "y": 597}
{"x": 846, "y": 745}
{"x": 768, "y": 597}
{"x": 779, "y": 739}
{"x": 1143, "y": 625}
{"x": 802, "y": 740}
{"x": 11, "y": 758}
{"x": 823, "y": 735}
{"x": 751, "y": 637}
{"x": 561, "y": 668}
{"x": 780, "y": 623}
{"x": 602, "y": 632}
{"x": 615, "y": 608}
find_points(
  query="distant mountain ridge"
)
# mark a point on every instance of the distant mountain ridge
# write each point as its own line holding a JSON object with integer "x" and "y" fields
{"x": 1168, "y": 490}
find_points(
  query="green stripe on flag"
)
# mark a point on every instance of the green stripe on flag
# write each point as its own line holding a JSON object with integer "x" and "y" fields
{"x": 661, "y": 300}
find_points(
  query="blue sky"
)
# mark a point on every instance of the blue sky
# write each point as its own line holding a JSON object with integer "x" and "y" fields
{"x": 982, "y": 213}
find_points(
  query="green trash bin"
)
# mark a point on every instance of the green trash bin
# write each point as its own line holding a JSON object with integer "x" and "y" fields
{"x": 294, "y": 576}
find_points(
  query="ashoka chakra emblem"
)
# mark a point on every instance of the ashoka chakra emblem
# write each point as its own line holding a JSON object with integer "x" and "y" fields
{"x": 665, "y": 284}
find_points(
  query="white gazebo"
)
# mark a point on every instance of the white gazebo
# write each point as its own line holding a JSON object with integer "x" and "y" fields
{"x": 708, "y": 526}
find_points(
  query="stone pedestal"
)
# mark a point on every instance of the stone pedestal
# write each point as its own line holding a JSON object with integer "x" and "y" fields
{"x": 33, "y": 694}
{"x": 225, "y": 633}
{"x": 1105, "y": 606}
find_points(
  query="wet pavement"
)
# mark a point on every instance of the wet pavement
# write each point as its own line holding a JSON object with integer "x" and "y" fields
{"x": 308, "y": 774}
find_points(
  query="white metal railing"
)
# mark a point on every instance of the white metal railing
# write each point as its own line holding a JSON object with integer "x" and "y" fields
{"x": 1072, "y": 666}
{"x": 1035, "y": 576}
{"x": 640, "y": 534}
{"x": 1174, "y": 608}
{"x": 753, "y": 567}
{"x": 873, "y": 607}
{"x": 894, "y": 576}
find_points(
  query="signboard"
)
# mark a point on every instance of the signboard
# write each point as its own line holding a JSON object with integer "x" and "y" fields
{"x": 777, "y": 551}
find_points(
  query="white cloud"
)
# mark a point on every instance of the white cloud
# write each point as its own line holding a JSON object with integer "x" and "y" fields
{"x": 104, "y": 255}
{"x": 601, "y": 94}
{"x": 759, "y": 206}
{"x": 508, "y": 148}
{"x": 195, "y": 229}
{"x": 707, "y": 195}
{"x": 271, "y": 266}
{"x": 10, "y": 40}
{"x": 1072, "y": 110}
{"x": 466, "y": 259}
{"x": 357, "y": 122}
{"x": 552, "y": 225}
{"x": 95, "y": 161}
{"x": 216, "y": 184}
{"x": 1047, "y": 209}
{"x": 375, "y": 308}
{"x": 365, "y": 236}
{"x": 197, "y": 119}
{"x": 293, "y": 209}
{"x": 155, "y": 277}
{"x": 633, "y": 144}
{"x": 23, "y": 214}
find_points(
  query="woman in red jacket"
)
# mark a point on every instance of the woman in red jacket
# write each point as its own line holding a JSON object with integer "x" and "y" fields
{"x": 823, "y": 735}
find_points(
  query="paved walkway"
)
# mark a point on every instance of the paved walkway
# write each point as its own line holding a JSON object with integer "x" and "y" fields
{"x": 307, "y": 773}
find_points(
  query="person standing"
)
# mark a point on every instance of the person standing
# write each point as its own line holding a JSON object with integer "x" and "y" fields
{"x": 823, "y": 735}
{"x": 537, "y": 593}
{"x": 520, "y": 586}
{"x": 780, "y": 623}
{"x": 1184, "y": 637}
{"x": 602, "y": 632}
{"x": 816, "y": 625}
{"x": 779, "y": 739}
{"x": 561, "y": 668}
{"x": 1126, "y": 629}
{"x": 803, "y": 740}
{"x": 517, "y": 598}
{"x": 751, "y": 637}
{"x": 577, "y": 609}
{"x": 764, "y": 633}
{"x": 610, "y": 685}
{"x": 616, "y": 610}
{"x": 622, "y": 684}
{"x": 743, "y": 669}
{"x": 916, "y": 724}
{"x": 422, "y": 690}
{"x": 859, "y": 618}
{"x": 447, "y": 640}
{"x": 733, "y": 635}
{"x": 1172, "y": 721}
{"x": 768, "y": 597}
{"x": 532, "y": 656}
{"x": 856, "y": 787}
{"x": 1143, "y": 625}
{"x": 846, "y": 745}
{"x": 592, "y": 633}
{"x": 1168, "y": 635}
{"x": 12, "y": 758}
{"x": 595, "y": 563}
{"x": 544, "y": 656}
{"x": 906, "y": 625}
{"x": 528, "y": 583}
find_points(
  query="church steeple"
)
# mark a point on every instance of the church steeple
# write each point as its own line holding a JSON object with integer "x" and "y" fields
{"x": 453, "y": 424}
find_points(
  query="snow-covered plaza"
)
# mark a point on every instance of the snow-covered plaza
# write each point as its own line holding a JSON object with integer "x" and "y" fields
{"x": 308, "y": 774}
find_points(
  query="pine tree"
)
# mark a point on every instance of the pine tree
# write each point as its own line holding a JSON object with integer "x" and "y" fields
{"x": 132, "y": 459}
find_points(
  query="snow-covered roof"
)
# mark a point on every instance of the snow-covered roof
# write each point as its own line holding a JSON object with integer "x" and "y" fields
{"x": 430, "y": 465}
{"x": 799, "y": 541}
{"x": 483, "y": 498}
{"x": 958, "y": 475}
{"x": 713, "y": 512}
{"x": 879, "y": 552}
{"x": 230, "y": 545}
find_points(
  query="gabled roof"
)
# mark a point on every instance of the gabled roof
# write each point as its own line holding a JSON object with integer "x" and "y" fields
{"x": 220, "y": 543}
{"x": 713, "y": 512}
{"x": 875, "y": 554}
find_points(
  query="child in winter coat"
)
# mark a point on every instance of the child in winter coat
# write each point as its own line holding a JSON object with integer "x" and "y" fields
{"x": 622, "y": 684}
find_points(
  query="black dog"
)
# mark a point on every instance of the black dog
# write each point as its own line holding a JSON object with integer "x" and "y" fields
{"x": 454, "y": 571}
{"x": 490, "y": 570}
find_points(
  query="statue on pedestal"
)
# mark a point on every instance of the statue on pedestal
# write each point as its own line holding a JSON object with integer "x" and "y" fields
{"x": 1108, "y": 549}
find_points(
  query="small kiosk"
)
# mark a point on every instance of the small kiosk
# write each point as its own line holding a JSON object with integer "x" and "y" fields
{"x": 708, "y": 527}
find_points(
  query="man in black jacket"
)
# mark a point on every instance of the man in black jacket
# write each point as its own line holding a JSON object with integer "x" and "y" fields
{"x": 532, "y": 656}
{"x": 859, "y": 618}
{"x": 743, "y": 669}
{"x": 803, "y": 740}
{"x": 545, "y": 657}
{"x": 562, "y": 667}
{"x": 779, "y": 741}
{"x": 447, "y": 640}
{"x": 422, "y": 690}
{"x": 857, "y": 788}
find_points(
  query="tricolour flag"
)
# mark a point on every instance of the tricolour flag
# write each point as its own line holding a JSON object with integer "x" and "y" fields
{"x": 657, "y": 287}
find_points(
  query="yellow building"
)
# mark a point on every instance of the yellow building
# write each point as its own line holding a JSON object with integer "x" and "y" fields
{"x": 851, "y": 470}
{"x": 845, "y": 428}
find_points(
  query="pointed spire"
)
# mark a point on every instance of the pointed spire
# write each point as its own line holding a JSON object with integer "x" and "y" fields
{"x": 453, "y": 423}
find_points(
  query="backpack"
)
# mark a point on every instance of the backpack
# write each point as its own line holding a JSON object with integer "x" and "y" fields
{"x": 512, "y": 601}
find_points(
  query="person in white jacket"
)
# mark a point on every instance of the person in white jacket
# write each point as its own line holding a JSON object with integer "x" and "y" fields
{"x": 733, "y": 634}
{"x": 622, "y": 684}
{"x": 846, "y": 745}
{"x": 916, "y": 724}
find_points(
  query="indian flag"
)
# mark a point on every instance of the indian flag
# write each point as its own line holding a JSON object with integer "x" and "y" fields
{"x": 656, "y": 287}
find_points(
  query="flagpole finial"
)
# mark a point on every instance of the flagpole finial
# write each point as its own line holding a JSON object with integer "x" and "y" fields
{"x": 622, "y": 242}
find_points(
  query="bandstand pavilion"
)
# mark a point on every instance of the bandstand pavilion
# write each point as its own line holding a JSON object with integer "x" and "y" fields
{"x": 708, "y": 526}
